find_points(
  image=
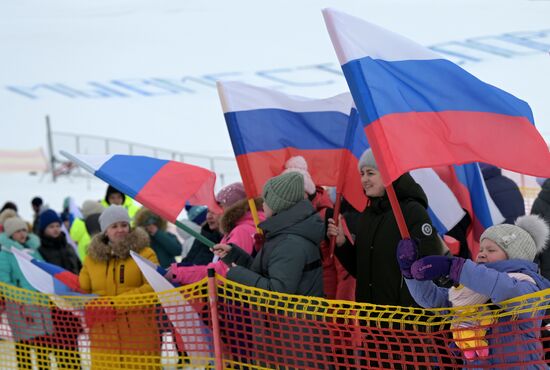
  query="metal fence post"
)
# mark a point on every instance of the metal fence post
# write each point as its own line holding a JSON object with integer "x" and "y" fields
{"x": 50, "y": 147}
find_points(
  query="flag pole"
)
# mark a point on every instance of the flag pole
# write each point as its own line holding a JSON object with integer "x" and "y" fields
{"x": 195, "y": 234}
{"x": 403, "y": 230}
{"x": 350, "y": 131}
{"x": 254, "y": 211}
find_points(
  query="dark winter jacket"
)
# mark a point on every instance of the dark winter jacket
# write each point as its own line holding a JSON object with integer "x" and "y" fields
{"x": 58, "y": 252}
{"x": 290, "y": 260}
{"x": 199, "y": 254}
{"x": 166, "y": 247}
{"x": 541, "y": 207}
{"x": 504, "y": 192}
{"x": 372, "y": 260}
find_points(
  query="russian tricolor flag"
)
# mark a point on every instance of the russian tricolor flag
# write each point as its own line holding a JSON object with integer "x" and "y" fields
{"x": 163, "y": 186}
{"x": 421, "y": 110}
{"x": 46, "y": 277}
{"x": 268, "y": 127}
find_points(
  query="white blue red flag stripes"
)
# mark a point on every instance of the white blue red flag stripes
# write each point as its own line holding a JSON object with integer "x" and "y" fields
{"x": 421, "y": 110}
{"x": 195, "y": 334}
{"x": 161, "y": 185}
{"x": 267, "y": 127}
{"x": 52, "y": 280}
{"x": 467, "y": 183}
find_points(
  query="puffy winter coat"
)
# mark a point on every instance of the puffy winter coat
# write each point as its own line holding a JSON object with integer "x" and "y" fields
{"x": 238, "y": 226}
{"x": 290, "y": 260}
{"x": 513, "y": 334}
{"x": 372, "y": 260}
{"x": 58, "y": 252}
{"x": 109, "y": 270}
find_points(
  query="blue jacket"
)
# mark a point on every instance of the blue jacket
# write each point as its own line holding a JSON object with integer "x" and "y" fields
{"x": 504, "y": 192}
{"x": 492, "y": 280}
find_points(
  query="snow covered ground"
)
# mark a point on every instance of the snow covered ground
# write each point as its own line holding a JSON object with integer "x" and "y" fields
{"x": 144, "y": 70}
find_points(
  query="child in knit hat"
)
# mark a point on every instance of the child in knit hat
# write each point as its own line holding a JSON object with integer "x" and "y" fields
{"x": 503, "y": 270}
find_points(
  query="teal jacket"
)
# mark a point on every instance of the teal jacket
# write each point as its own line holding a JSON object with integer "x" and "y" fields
{"x": 28, "y": 314}
{"x": 10, "y": 273}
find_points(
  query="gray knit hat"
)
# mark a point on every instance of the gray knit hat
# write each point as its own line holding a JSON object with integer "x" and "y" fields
{"x": 14, "y": 224}
{"x": 283, "y": 191}
{"x": 524, "y": 240}
{"x": 111, "y": 215}
{"x": 367, "y": 160}
{"x": 91, "y": 207}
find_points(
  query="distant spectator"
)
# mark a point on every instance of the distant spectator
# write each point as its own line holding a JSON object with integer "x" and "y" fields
{"x": 28, "y": 320}
{"x": 9, "y": 205}
{"x": 5, "y": 215}
{"x": 53, "y": 243}
{"x": 36, "y": 204}
{"x": 504, "y": 192}
{"x": 114, "y": 196}
{"x": 199, "y": 254}
{"x": 165, "y": 244}
{"x": 83, "y": 229}
{"x": 55, "y": 249}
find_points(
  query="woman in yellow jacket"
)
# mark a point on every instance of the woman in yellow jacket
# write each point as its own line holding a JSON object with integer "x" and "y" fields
{"x": 120, "y": 335}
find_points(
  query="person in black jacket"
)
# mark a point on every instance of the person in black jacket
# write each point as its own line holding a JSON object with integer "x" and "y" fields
{"x": 55, "y": 250}
{"x": 199, "y": 254}
{"x": 372, "y": 260}
{"x": 53, "y": 243}
{"x": 504, "y": 192}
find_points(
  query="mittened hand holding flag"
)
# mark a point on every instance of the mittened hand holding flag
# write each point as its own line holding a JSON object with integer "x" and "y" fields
{"x": 407, "y": 253}
{"x": 434, "y": 267}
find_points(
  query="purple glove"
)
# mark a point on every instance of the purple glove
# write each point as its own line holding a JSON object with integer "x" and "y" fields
{"x": 407, "y": 253}
{"x": 433, "y": 267}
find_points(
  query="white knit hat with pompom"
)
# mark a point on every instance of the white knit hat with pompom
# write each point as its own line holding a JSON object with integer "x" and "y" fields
{"x": 299, "y": 164}
{"x": 524, "y": 240}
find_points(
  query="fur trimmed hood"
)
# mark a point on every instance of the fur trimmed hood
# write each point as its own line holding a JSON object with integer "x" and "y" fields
{"x": 101, "y": 250}
{"x": 145, "y": 216}
{"x": 233, "y": 214}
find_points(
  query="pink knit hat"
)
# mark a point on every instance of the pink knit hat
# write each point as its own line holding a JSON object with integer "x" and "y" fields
{"x": 299, "y": 164}
{"x": 231, "y": 194}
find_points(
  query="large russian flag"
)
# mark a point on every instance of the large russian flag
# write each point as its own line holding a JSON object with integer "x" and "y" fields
{"x": 420, "y": 110}
{"x": 268, "y": 127}
{"x": 161, "y": 185}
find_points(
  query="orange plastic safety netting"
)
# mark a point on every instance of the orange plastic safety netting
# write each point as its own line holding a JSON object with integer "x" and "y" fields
{"x": 256, "y": 329}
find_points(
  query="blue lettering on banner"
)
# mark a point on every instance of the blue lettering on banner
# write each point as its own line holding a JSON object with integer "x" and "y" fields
{"x": 471, "y": 50}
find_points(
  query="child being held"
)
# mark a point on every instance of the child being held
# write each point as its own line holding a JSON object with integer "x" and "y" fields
{"x": 504, "y": 269}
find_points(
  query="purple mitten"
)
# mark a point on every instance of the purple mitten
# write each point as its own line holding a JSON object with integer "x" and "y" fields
{"x": 433, "y": 267}
{"x": 406, "y": 254}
